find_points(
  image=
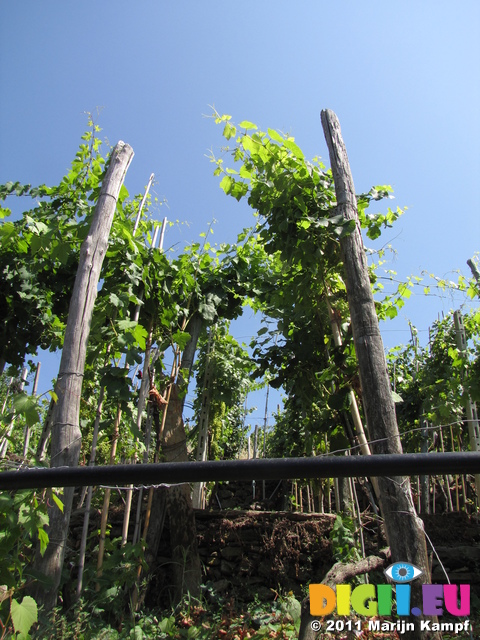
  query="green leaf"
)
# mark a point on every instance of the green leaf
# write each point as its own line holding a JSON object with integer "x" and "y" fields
{"x": 43, "y": 539}
{"x": 140, "y": 334}
{"x": 123, "y": 193}
{"x": 57, "y": 501}
{"x": 229, "y": 131}
{"x": 27, "y": 407}
{"x": 245, "y": 173}
{"x": 226, "y": 183}
{"x": 275, "y": 135}
{"x": 290, "y": 144}
{"x": 181, "y": 338}
{"x": 246, "y": 124}
{"x": 24, "y": 614}
{"x": 396, "y": 398}
{"x": 126, "y": 325}
{"x": 304, "y": 224}
{"x": 137, "y": 634}
{"x": 292, "y": 607}
{"x": 115, "y": 300}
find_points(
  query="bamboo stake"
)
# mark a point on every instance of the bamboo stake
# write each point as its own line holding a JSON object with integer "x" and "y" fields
{"x": 176, "y": 367}
{"x": 424, "y": 479}
{"x": 464, "y": 488}
{"x": 336, "y": 491}
{"x": 45, "y": 435}
{"x": 86, "y": 518}
{"x": 355, "y": 413}
{"x": 202, "y": 443}
{"x": 28, "y": 430}
{"x": 162, "y": 234}
{"x": 106, "y": 499}
{"x": 146, "y": 524}
{"x": 457, "y": 497}
{"x": 137, "y": 221}
{"x": 5, "y": 440}
{"x": 359, "y": 518}
{"x": 146, "y": 455}
{"x": 265, "y": 420}
{"x": 142, "y": 398}
{"x": 129, "y": 492}
{"x": 448, "y": 495}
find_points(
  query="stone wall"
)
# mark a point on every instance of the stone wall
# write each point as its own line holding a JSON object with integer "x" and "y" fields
{"x": 253, "y": 553}
{"x": 248, "y": 553}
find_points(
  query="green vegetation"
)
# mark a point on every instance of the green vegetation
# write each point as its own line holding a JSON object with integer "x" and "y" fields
{"x": 289, "y": 268}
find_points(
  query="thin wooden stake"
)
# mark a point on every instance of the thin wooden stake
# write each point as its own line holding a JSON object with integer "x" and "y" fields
{"x": 5, "y": 440}
{"x": 142, "y": 204}
{"x": 27, "y": 428}
{"x": 106, "y": 499}
{"x": 457, "y": 497}
{"x": 448, "y": 496}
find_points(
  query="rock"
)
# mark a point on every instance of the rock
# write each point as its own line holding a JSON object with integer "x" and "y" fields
{"x": 227, "y": 568}
{"x": 230, "y": 553}
{"x": 221, "y": 586}
{"x": 248, "y": 535}
{"x": 224, "y": 493}
{"x": 229, "y": 503}
{"x": 265, "y": 594}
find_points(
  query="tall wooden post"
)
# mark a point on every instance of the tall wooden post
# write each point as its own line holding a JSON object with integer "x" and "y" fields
{"x": 404, "y": 530}
{"x": 470, "y": 406}
{"x": 66, "y": 434}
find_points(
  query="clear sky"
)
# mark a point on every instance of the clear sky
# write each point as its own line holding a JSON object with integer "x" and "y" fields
{"x": 402, "y": 77}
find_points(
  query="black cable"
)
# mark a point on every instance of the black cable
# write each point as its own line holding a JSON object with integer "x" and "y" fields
{"x": 269, "y": 469}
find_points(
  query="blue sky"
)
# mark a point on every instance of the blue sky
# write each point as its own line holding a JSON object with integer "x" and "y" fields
{"x": 402, "y": 77}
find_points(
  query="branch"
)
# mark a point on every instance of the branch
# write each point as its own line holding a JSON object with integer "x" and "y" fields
{"x": 340, "y": 573}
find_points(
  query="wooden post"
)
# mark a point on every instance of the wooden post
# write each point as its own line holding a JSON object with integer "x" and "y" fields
{"x": 404, "y": 530}
{"x": 66, "y": 434}
{"x": 470, "y": 407}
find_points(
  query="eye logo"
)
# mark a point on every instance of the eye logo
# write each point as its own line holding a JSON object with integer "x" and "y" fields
{"x": 402, "y": 572}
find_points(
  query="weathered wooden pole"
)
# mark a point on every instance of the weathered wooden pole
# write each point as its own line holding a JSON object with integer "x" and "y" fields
{"x": 404, "y": 529}
{"x": 66, "y": 434}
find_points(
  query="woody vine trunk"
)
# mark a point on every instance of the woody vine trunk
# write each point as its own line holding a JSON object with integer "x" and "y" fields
{"x": 66, "y": 434}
